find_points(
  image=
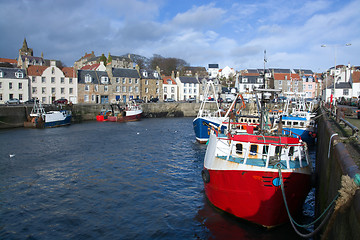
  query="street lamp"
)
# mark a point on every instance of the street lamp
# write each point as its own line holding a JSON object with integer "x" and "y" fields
{"x": 335, "y": 46}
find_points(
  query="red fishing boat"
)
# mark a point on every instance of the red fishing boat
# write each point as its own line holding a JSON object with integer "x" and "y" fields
{"x": 130, "y": 112}
{"x": 243, "y": 172}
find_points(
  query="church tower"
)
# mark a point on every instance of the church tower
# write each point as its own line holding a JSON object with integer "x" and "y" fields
{"x": 25, "y": 50}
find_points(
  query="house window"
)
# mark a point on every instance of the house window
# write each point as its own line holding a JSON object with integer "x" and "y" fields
{"x": 62, "y": 90}
{"x": 20, "y": 85}
{"x": 172, "y": 90}
{"x": 52, "y": 79}
{"x": 146, "y": 90}
{"x": 53, "y": 70}
{"x": 136, "y": 89}
{"x": 169, "y": 81}
{"x": 190, "y": 91}
{"x": 70, "y": 80}
{"x": 20, "y": 97}
{"x": 117, "y": 80}
{"x": 10, "y": 85}
{"x": 1, "y": 97}
{"x": 184, "y": 90}
{"x": 104, "y": 80}
{"x": 136, "y": 81}
{"x": 34, "y": 90}
{"x": 86, "y": 98}
{"x": 346, "y": 92}
{"x": 124, "y": 89}
{"x": 87, "y": 87}
{"x": 260, "y": 80}
{"x": 106, "y": 88}
{"x": 43, "y": 80}
{"x": 130, "y": 88}
{"x": 87, "y": 78}
{"x": 19, "y": 74}
{"x": 1, "y": 74}
{"x": 157, "y": 82}
{"x": 33, "y": 79}
{"x": 165, "y": 89}
{"x": 96, "y": 88}
{"x": 117, "y": 88}
{"x": 146, "y": 82}
{"x": 145, "y": 74}
{"x": 53, "y": 90}
{"x": 245, "y": 80}
{"x": 280, "y": 82}
{"x": 124, "y": 80}
{"x": 70, "y": 90}
{"x": 130, "y": 81}
{"x": 93, "y": 98}
{"x": 62, "y": 80}
{"x": 194, "y": 90}
{"x": 0, "y": 85}
{"x": 43, "y": 99}
{"x": 43, "y": 90}
{"x": 157, "y": 90}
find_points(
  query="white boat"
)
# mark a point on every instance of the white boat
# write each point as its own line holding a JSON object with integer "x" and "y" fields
{"x": 39, "y": 118}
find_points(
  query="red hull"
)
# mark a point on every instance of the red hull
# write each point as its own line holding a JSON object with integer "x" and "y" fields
{"x": 251, "y": 195}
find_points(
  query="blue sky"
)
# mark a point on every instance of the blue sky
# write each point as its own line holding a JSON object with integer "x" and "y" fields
{"x": 228, "y": 32}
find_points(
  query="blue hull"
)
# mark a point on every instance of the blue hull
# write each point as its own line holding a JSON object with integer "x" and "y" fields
{"x": 304, "y": 134}
{"x": 66, "y": 121}
{"x": 202, "y": 129}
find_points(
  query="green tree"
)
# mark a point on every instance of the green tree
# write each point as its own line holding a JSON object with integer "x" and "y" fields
{"x": 103, "y": 59}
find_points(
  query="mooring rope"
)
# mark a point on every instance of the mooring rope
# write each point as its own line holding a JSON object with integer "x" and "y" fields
{"x": 293, "y": 222}
{"x": 347, "y": 192}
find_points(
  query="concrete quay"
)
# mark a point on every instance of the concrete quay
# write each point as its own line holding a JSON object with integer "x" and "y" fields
{"x": 337, "y": 154}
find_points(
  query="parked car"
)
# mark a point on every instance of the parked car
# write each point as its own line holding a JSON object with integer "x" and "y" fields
{"x": 60, "y": 101}
{"x": 138, "y": 100}
{"x": 169, "y": 100}
{"x": 13, "y": 101}
{"x": 190, "y": 100}
{"x": 154, "y": 100}
{"x": 31, "y": 101}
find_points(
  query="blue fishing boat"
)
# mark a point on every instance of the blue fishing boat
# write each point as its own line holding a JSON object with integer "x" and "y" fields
{"x": 209, "y": 114}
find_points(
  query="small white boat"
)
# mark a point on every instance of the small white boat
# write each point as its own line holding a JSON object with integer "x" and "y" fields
{"x": 38, "y": 118}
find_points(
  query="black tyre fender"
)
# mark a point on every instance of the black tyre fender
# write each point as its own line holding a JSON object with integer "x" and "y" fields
{"x": 205, "y": 175}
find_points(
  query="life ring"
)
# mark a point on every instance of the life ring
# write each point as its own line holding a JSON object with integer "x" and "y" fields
{"x": 205, "y": 175}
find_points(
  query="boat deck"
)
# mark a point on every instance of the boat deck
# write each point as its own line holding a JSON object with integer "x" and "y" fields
{"x": 258, "y": 162}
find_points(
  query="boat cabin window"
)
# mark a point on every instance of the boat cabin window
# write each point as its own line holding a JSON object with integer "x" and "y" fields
{"x": 291, "y": 151}
{"x": 277, "y": 150}
{"x": 265, "y": 150}
{"x": 253, "y": 149}
{"x": 302, "y": 124}
{"x": 295, "y": 123}
{"x": 239, "y": 148}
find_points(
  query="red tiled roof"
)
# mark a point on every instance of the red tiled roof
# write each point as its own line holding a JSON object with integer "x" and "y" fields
{"x": 91, "y": 67}
{"x": 36, "y": 70}
{"x": 281, "y": 76}
{"x": 166, "y": 78}
{"x": 356, "y": 77}
{"x": 250, "y": 74}
{"x": 69, "y": 72}
{"x": 8, "y": 60}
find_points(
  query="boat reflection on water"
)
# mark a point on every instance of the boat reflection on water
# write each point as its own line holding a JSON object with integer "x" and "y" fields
{"x": 221, "y": 225}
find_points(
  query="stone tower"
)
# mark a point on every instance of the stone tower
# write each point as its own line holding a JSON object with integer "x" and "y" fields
{"x": 25, "y": 50}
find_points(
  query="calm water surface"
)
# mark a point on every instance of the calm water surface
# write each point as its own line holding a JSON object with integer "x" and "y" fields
{"x": 138, "y": 180}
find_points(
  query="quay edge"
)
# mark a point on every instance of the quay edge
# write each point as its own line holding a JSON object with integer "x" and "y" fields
{"x": 328, "y": 174}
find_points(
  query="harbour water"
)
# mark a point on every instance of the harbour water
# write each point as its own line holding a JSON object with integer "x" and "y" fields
{"x": 100, "y": 180}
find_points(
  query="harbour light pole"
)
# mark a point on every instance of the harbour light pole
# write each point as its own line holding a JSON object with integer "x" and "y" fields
{"x": 335, "y": 48}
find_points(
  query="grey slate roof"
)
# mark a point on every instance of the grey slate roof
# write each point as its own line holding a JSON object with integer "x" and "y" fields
{"x": 213, "y": 65}
{"x": 341, "y": 85}
{"x": 125, "y": 72}
{"x": 303, "y": 71}
{"x": 95, "y": 76}
{"x": 280, "y": 70}
{"x": 10, "y": 72}
{"x": 250, "y": 79}
{"x": 150, "y": 74}
{"x": 188, "y": 80}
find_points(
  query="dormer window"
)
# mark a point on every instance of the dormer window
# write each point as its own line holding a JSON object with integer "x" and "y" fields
{"x": 145, "y": 74}
{"x": 245, "y": 80}
{"x": 1, "y": 74}
{"x": 169, "y": 81}
{"x": 156, "y": 75}
{"x": 19, "y": 74}
{"x": 104, "y": 80}
{"x": 87, "y": 78}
